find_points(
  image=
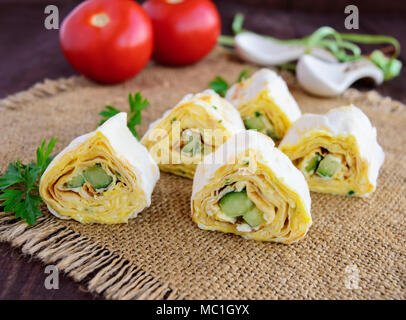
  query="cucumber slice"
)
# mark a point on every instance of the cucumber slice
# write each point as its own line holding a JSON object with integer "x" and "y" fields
{"x": 193, "y": 144}
{"x": 271, "y": 134}
{"x": 257, "y": 122}
{"x": 260, "y": 123}
{"x": 192, "y": 148}
{"x": 254, "y": 217}
{"x": 328, "y": 166}
{"x": 76, "y": 181}
{"x": 313, "y": 163}
{"x": 97, "y": 177}
{"x": 235, "y": 204}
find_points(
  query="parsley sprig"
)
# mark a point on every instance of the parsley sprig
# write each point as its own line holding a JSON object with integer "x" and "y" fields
{"x": 19, "y": 185}
{"x": 137, "y": 104}
{"x": 243, "y": 74}
{"x": 219, "y": 85}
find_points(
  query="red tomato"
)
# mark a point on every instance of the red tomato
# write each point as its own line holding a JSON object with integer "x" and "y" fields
{"x": 107, "y": 40}
{"x": 185, "y": 31}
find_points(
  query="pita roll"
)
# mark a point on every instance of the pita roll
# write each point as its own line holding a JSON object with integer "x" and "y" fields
{"x": 265, "y": 103}
{"x": 250, "y": 188}
{"x": 337, "y": 152}
{"x": 195, "y": 127}
{"x": 105, "y": 176}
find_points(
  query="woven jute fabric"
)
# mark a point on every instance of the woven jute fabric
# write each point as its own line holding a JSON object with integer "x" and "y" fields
{"x": 355, "y": 249}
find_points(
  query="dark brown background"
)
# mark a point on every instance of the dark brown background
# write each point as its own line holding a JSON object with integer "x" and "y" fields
{"x": 30, "y": 53}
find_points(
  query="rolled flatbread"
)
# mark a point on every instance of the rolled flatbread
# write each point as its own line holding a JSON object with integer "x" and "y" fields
{"x": 195, "y": 127}
{"x": 105, "y": 176}
{"x": 337, "y": 152}
{"x": 265, "y": 103}
{"x": 250, "y": 188}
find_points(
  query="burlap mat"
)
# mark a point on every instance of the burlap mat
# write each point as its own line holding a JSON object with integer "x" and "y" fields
{"x": 356, "y": 248}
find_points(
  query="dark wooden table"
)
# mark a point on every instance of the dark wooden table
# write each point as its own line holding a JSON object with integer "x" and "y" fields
{"x": 29, "y": 53}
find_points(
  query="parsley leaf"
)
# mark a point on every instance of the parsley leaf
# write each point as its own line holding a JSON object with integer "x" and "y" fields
{"x": 19, "y": 184}
{"x": 43, "y": 154}
{"x": 12, "y": 176}
{"x": 12, "y": 197}
{"x": 243, "y": 74}
{"x": 108, "y": 113}
{"x": 137, "y": 104}
{"x": 220, "y": 86}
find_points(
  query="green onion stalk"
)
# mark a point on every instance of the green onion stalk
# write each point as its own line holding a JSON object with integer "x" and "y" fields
{"x": 342, "y": 45}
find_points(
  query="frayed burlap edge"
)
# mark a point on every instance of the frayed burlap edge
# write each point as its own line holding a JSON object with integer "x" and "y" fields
{"x": 84, "y": 260}
{"x": 40, "y": 90}
{"x": 48, "y": 88}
